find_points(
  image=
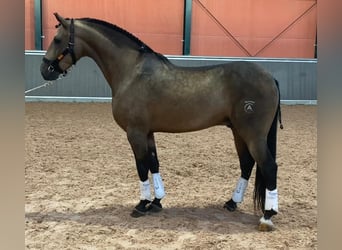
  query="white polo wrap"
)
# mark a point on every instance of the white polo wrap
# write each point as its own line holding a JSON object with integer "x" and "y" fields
{"x": 271, "y": 200}
{"x": 145, "y": 190}
{"x": 159, "y": 191}
{"x": 240, "y": 189}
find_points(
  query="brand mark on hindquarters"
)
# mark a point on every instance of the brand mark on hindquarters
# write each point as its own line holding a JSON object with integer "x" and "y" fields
{"x": 249, "y": 106}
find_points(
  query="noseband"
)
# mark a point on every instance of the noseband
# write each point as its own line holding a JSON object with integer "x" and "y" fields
{"x": 54, "y": 64}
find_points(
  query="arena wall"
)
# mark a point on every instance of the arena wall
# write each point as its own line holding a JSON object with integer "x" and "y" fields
{"x": 297, "y": 78}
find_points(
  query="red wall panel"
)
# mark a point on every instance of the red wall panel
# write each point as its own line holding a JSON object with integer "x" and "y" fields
{"x": 263, "y": 28}
{"x": 29, "y": 24}
{"x": 248, "y": 28}
{"x": 158, "y": 23}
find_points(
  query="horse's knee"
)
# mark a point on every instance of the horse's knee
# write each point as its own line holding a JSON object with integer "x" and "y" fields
{"x": 153, "y": 160}
{"x": 138, "y": 142}
{"x": 148, "y": 162}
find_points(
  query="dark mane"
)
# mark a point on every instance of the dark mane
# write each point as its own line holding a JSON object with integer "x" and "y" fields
{"x": 142, "y": 47}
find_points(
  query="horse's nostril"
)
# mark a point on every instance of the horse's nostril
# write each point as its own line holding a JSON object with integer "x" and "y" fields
{"x": 51, "y": 68}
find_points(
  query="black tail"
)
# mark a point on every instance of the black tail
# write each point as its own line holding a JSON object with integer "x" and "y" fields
{"x": 279, "y": 109}
{"x": 260, "y": 187}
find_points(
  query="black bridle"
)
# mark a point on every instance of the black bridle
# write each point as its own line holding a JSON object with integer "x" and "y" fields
{"x": 54, "y": 64}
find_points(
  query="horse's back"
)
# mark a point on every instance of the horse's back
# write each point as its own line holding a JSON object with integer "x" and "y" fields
{"x": 247, "y": 74}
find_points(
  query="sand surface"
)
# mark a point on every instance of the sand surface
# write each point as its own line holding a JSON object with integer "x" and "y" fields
{"x": 81, "y": 185}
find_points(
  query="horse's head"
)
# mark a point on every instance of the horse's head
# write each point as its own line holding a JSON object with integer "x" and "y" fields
{"x": 61, "y": 54}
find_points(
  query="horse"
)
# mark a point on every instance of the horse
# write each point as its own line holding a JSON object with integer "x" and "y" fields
{"x": 150, "y": 95}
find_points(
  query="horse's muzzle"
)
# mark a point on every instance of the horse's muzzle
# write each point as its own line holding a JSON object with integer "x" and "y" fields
{"x": 48, "y": 72}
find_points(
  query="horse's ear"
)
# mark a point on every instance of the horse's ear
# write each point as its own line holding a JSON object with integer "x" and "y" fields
{"x": 61, "y": 20}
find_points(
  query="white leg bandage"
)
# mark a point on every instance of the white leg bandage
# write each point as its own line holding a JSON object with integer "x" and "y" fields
{"x": 271, "y": 200}
{"x": 240, "y": 189}
{"x": 145, "y": 190}
{"x": 159, "y": 191}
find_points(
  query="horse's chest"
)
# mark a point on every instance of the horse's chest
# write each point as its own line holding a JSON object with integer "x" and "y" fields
{"x": 120, "y": 116}
{"x": 126, "y": 112}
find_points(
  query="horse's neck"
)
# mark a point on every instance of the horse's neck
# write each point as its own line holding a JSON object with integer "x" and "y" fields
{"x": 113, "y": 61}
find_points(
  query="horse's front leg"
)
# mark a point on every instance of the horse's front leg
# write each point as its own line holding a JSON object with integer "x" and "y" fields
{"x": 146, "y": 159}
{"x": 158, "y": 184}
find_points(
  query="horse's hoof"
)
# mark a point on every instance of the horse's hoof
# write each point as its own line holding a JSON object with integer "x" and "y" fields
{"x": 141, "y": 209}
{"x": 155, "y": 206}
{"x": 230, "y": 205}
{"x": 266, "y": 225}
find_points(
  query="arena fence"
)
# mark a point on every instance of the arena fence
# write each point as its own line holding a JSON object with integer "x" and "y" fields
{"x": 85, "y": 83}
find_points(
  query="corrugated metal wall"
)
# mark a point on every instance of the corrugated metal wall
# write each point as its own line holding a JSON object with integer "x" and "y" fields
{"x": 297, "y": 78}
{"x": 85, "y": 80}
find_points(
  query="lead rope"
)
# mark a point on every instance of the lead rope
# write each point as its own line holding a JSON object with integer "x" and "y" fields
{"x": 40, "y": 86}
{"x": 48, "y": 83}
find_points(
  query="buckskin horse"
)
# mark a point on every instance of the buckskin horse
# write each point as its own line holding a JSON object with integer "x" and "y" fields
{"x": 150, "y": 94}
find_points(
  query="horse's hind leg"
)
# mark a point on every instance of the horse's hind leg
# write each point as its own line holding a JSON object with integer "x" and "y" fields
{"x": 266, "y": 194}
{"x": 146, "y": 159}
{"x": 246, "y": 165}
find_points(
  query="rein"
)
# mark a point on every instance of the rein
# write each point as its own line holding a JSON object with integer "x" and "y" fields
{"x": 54, "y": 64}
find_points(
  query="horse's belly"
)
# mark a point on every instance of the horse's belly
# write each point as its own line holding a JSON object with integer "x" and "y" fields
{"x": 177, "y": 123}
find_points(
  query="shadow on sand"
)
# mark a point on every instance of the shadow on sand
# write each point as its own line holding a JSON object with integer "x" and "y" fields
{"x": 209, "y": 219}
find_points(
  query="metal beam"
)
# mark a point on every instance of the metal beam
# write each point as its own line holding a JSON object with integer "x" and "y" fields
{"x": 187, "y": 27}
{"x": 38, "y": 42}
{"x": 316, "y": 43}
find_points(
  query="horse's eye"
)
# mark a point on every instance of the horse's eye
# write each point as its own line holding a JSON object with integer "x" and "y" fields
{"x": 56, "y": 40}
